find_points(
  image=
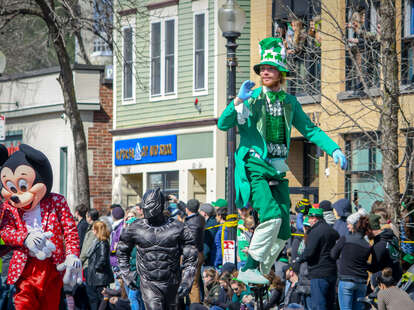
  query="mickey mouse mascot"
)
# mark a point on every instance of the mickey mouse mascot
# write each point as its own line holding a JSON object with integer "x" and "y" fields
{"x": 39, "y": 227}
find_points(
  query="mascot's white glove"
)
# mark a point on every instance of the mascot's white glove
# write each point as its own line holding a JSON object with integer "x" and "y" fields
{"x": 39, "y": 244}
{"x": 73, "y": 273}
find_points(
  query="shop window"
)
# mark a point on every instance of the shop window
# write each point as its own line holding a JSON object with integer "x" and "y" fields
{"x": 298, "y": 23}
{"x": 63, "y": 184}
{"x": 200, "y": 52}
{"x": 166, "y": 181}
{"x": 362, "y": 58}
{"x": 128, "y": 61}
{"x": 163, "y": 57}
{"x": 363, "y": 179}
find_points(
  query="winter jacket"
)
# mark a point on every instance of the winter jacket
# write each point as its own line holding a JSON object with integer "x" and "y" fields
{"x": 321, "y": 239}
{"x": 82, "y": 229}
{"x": 89, "y": 240}
{"x": 196, "y": 224}
{"x": 344, "y": 208}
{"x": 212, "y": 294}
{"x": 209, "y": 245}
{"x": 223, "y": 300}
{"x": 274, "y": 300}
{"x": 353, "y": 252}
{"x": 381, "y": 257}
{"x": 99, "y": 268}
{"x": 218, "y": 261}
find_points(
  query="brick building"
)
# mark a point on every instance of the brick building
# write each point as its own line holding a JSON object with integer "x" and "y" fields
{"x": 100, "y": 150}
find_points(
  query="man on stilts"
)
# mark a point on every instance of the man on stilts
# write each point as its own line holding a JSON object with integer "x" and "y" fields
{"x": 264, "y": 117}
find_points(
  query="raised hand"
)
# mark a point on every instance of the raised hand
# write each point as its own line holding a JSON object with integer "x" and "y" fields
{"x": 245, "y": 91}
{"x": 339, "y": 156}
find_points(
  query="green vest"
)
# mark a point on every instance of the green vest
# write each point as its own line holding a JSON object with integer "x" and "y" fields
{"x": 275, "y": 126}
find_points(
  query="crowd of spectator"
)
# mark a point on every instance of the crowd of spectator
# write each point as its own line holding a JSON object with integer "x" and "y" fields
{"x": 338, "y": 257}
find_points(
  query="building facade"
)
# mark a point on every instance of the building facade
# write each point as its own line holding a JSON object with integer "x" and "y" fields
{"x": 32, "y": 104}
{"x": 169, "y": 89}
{"x": 343, "y": 103}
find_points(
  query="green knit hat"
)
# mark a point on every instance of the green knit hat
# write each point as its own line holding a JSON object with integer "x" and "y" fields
{"x": 272, "y": 53}
{"x": 374, "y": 221}
{"x": 219, "y": 203}
{"x": 315, "y": 212}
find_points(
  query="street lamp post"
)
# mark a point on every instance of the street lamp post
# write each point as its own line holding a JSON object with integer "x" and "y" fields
{"x": 231, "y": 20}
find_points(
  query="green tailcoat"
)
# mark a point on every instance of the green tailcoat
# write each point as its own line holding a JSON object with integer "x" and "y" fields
{"x": 252, "y": 134}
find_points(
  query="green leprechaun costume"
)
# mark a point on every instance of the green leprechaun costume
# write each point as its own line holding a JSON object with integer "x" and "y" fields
{"x": 265, "y": 122}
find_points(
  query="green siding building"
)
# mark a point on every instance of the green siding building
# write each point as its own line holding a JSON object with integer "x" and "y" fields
{"x": 170, "y": 80}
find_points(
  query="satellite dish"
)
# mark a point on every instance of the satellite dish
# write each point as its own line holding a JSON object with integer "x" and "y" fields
{"x": 2, "y": 62}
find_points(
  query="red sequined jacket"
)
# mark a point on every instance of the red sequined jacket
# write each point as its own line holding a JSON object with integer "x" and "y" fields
{"x": 56, "y": 217}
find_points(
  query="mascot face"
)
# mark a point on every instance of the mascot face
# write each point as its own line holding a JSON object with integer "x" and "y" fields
{"x": 26, "y": 177}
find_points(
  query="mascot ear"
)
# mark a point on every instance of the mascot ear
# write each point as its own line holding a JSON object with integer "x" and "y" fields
{"x": 40, "y": 163}
{"x": 4, "y": 154}
{"x": 33, "y": 155}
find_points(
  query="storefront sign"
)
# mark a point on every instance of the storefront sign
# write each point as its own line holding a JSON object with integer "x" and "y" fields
{"x": 146, "y": 150}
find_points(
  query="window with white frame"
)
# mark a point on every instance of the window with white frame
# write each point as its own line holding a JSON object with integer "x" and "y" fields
{"x": 163, "y": 57}
{"x": 200, "y": 55}
{"x": 103, "y": 20}
{"x": 101, "y": 48}
{"x": 128, "y": 78}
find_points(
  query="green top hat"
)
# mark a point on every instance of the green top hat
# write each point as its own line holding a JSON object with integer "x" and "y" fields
{"x": 219, "y": 203}
{"x": 272, "y": 53}
{"x": 315, "y": 212}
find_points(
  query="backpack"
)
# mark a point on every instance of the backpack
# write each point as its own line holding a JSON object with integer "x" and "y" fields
{"x": 394, "y": 250}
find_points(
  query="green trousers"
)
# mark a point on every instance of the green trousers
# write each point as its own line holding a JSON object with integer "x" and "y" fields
{"x": 269, "y": 202}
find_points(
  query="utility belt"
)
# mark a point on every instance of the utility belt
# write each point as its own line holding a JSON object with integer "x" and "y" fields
{"x": 278, "y": 163}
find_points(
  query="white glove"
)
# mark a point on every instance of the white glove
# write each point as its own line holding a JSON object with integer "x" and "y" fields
{"x": 243, "y": 113}
{"x": 73, "y": 273}
{"x": 39, "y": 244}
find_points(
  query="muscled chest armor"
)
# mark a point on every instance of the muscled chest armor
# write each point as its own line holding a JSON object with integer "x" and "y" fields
{"x": 158, "y": 250}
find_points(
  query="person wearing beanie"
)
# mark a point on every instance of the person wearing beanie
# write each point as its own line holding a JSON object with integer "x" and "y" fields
{"x": 196, "y": 224}
{"x": 265, "y": 117}
{"x": 219, "y": 203}
{"x": 328, "y": 215}
{"x": 342, "y": 209}
{"x": 118, "y": 222}
{"x": 352, "y": 252}
{"x": 209, "y": 213}
{"x": 321, "y": 238}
